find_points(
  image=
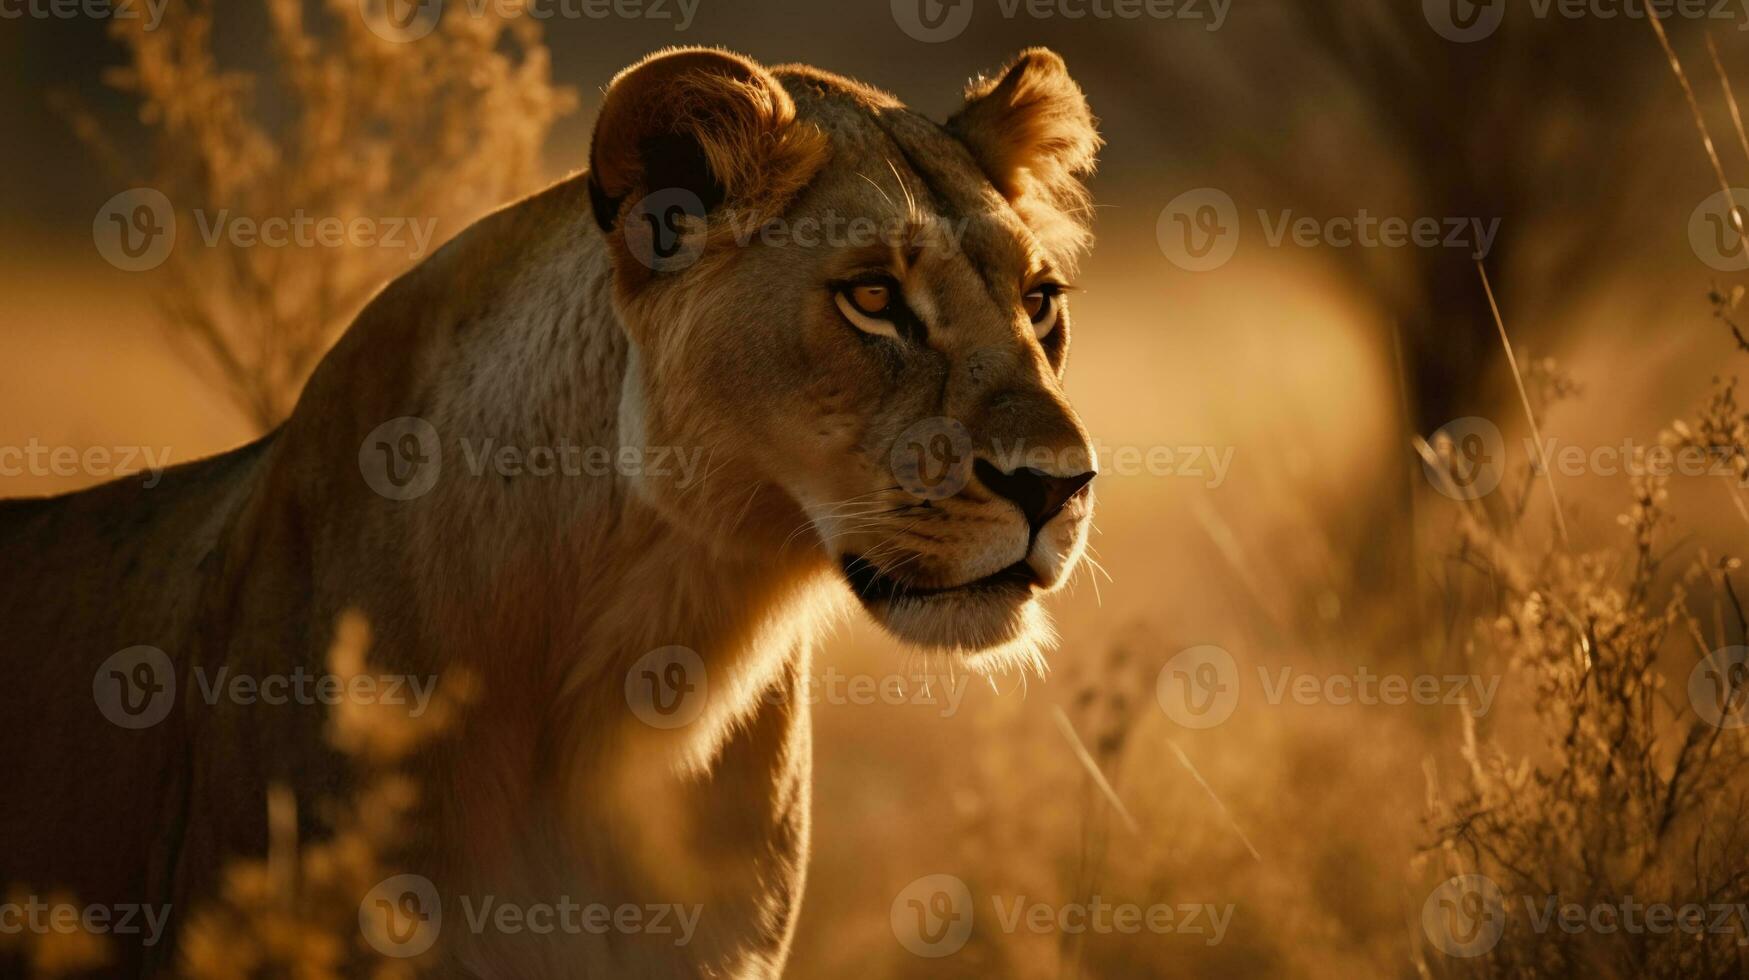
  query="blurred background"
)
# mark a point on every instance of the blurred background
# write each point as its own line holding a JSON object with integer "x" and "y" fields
{"x": 1284, "y": 370}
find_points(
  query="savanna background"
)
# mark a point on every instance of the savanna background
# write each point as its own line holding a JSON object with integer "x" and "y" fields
{"x": 1338, "y": 538}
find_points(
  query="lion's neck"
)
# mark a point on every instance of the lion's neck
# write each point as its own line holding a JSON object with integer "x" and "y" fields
{"x": 544, "y": 546}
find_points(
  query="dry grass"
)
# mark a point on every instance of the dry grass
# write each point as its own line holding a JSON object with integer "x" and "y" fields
{"x": 1610, "y": 785}
{"x": 295, "y": 912}
{"x": 346, "y": 124}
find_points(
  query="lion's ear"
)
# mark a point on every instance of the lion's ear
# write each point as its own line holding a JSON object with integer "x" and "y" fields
{"x": 1032, "y": 133}
{"x": 700, "y": 121}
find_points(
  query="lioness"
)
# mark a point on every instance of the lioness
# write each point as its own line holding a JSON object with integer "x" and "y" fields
{"x": 855, "y": 314}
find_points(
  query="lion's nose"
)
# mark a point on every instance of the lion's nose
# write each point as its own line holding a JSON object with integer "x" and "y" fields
{"x": 1039, "y": 495}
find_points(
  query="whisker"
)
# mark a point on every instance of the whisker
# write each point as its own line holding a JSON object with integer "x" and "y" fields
{"x": 744, "y": 509}
{"x": 708, "y": 470}
{"x": 910, "y": 202}
{"x": 1098, "y": 596}
{"x": 878, "y": 187}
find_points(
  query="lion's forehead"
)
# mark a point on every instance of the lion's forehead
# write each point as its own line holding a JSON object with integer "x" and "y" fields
{"x": 896, "y": 168}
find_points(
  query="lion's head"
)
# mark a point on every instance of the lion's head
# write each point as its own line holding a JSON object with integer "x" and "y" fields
{"x": 863, "y": 316}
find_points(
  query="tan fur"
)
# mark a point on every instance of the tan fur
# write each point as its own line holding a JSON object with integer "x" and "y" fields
{"x": 742, "y": 117}
{"x": 1030, "y": 129}
{"x": 537, "y": 324}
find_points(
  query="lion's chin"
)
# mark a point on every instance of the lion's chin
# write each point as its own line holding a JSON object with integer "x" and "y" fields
{"x": 993, "y": 623}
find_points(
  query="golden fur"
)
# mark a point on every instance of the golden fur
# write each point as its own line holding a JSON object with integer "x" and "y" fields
{"x": 546, "y": 320}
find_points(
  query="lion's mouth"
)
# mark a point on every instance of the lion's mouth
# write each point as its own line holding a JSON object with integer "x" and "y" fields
{"x": 1017, "y": 581}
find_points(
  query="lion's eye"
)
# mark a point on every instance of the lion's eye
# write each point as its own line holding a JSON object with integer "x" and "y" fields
{"x": 1041, "y": 308}
{"x": 869, "y": 306}
{"x": 872, "y": 300}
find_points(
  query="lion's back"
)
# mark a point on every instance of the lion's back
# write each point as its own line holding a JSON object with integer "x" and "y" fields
{"x": 117, "y": 559}
{"x": 84, "y": 576}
